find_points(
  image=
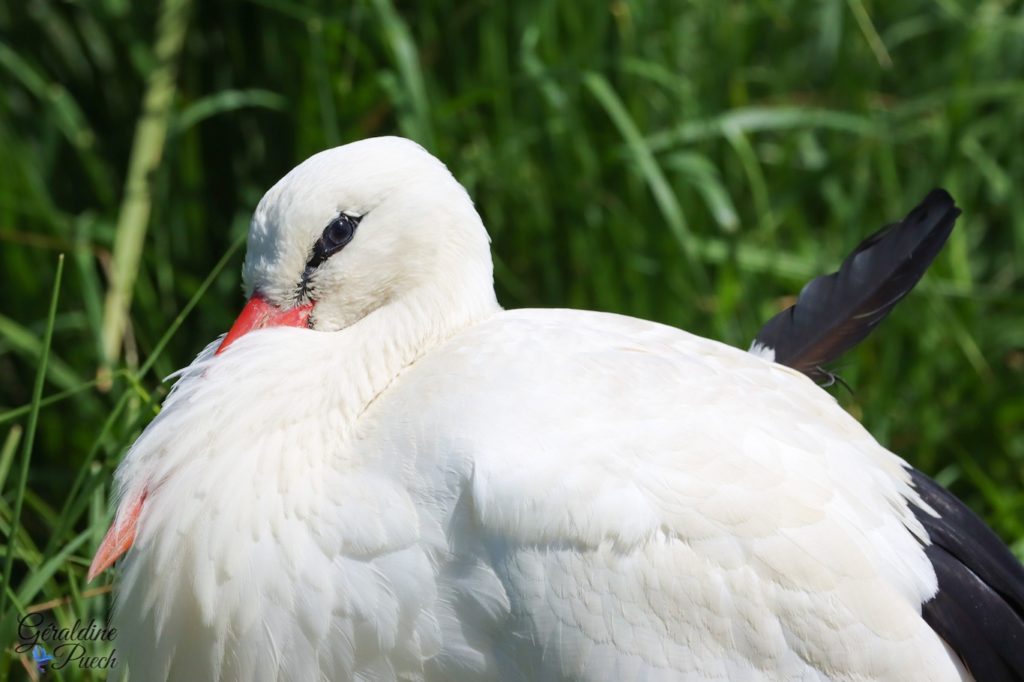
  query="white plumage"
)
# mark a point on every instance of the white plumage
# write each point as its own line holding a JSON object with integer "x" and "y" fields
{"x": 423, "y": 486}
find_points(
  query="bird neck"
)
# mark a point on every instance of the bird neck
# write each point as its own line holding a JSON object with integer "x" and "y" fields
{"x": 377, "y": 348}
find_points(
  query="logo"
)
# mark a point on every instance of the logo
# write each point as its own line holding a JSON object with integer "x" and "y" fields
{"x": 40, "y": 658}
{"x": 83, "y": 645}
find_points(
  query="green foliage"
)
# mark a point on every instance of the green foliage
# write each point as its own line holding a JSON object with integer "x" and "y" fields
{"x": 689, "y": 162}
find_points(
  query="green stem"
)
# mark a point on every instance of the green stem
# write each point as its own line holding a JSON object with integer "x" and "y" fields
{"x": 147, "y": 151}
{"x": 30, "y": 433}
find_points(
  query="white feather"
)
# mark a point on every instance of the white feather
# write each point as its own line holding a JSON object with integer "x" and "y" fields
{"x": 762, "y": 351}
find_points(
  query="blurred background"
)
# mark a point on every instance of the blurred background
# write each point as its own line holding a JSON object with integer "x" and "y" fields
{"x": 688, "y": 162}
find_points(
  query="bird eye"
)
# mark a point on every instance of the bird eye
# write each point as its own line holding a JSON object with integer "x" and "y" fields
{"x": 336, "y": 235}
{"x": 339, "y": 232}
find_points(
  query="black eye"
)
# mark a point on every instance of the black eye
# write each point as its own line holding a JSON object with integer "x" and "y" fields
{"x": 339, "y": 232}
{"x": 336, "y": 235}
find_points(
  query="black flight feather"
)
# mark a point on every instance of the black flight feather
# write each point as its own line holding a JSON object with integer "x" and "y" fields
{"x": 979, "y": 607}
{"x": 835, "y": 312}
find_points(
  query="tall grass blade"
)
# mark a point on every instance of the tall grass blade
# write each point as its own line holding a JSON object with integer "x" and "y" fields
{"x": 187, "y": 308}
{"x": 39, "y": 577}
{"x": 10, "y": 446}
{"x": 25, "y": 342}
{"x": 30, "y": 432}
{"x": 224, "y": 102}
{"x": 652, "y": 172}
{"x": 48, "y": 400}
{"x": 147, "y": 151}
{"x": 860, "y": 13}
{"x": 416, "y": 122}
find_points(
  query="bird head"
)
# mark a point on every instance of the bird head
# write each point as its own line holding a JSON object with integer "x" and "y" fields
{"x": 353, "y": 228}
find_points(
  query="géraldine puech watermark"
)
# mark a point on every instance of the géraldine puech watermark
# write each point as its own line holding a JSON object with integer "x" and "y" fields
{"x": 53, "y": 647}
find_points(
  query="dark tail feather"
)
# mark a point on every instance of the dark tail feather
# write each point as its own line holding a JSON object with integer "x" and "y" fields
{"x": 979, "y": 607}
{"x": 835, "y": 312}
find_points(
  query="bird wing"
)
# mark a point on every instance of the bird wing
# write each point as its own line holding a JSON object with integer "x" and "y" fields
{"x": 629, "y": 501}
{"x": 979, "y": 606}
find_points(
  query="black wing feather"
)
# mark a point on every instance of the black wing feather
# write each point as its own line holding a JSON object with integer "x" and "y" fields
{"x": 835, "y": 312}
{"x": 979, "y": 608}
{"x": 967, "y": 616}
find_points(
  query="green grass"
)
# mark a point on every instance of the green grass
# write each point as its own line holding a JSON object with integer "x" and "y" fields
{"x": 689, "y": 162}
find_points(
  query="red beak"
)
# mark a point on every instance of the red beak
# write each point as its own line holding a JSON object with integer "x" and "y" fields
{"x": 119, "y": 538}
{"x": 259, "y": 314}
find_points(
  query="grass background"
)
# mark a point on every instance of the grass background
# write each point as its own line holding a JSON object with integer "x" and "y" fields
{"x": 689, "y": 162}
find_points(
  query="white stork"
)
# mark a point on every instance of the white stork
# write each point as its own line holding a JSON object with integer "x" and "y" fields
{"x": 397, "y": 479}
